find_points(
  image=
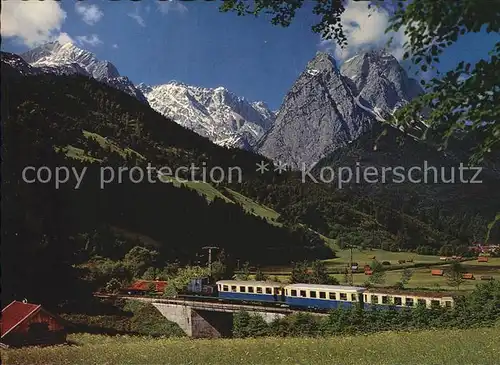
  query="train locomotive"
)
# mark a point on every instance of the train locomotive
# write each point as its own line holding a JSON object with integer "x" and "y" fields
{"x": 327, "y": 297}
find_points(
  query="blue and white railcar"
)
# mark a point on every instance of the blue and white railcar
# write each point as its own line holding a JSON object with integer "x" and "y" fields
{"x": 266, "y": 291}
{"x": 323, "y": 296}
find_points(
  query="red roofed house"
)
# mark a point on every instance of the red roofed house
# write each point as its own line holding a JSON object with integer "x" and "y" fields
{"x": 29, "y": 324}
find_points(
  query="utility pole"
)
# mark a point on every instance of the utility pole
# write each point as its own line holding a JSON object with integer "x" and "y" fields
{"x": 210, "y": 248}
{"x": 350, "y": 267}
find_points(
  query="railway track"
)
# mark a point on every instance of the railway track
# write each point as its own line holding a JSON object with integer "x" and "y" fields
{"x": 185, "y": 299}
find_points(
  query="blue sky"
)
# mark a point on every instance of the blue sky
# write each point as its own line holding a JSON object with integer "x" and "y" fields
{"x": 193, "y": 42}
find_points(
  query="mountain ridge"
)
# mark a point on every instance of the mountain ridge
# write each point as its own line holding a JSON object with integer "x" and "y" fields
{"x": 67, "y": 59}
{"x": 327, "y": 107}
{"x": 216, "y": 113}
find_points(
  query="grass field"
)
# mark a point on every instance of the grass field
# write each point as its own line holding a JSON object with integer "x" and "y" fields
{"x": 106, "y": 143}
{"x": 472, "y": 346}
{"x": 366, "y": 257}
{"x": 421, "y": 278}
{"x": 79, "y": 154}
{"x": 203, "y": 188}
{"x": 253, "y": 207}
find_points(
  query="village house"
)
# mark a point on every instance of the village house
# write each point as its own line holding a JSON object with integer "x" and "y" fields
{"x": 25, "y": 324}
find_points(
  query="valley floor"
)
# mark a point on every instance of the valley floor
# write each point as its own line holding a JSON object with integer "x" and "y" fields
{"x": 471, "y": 346}
{"x": 421, "y": 268}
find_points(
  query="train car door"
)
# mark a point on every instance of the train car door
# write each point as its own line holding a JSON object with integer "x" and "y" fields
{"x": 279, "y": 295}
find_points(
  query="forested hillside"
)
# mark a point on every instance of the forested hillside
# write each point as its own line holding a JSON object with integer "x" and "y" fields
{"x": 391, "y": 214}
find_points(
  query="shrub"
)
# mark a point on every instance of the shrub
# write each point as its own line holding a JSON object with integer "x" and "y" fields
{"x": 98, "y": 324}
{"x": 170, "y": 291}
{"x": 113, "y": 286}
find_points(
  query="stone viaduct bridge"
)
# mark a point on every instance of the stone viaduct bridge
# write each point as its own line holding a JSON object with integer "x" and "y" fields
{"x": 209, "y": 319}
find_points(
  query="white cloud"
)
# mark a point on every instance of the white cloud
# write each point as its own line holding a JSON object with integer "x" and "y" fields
{"x": 90, "y": 14}
{"x": 32, "y": 22}
{"x": 115, "y": 46}
{"x": 365, "y": 30}
{"x": 92, "y": 40}
{"x": 171, "y": 6}
{"x": 139, "y": 19}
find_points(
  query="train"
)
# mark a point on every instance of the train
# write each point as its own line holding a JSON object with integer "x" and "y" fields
{"x": 327, "y": 297}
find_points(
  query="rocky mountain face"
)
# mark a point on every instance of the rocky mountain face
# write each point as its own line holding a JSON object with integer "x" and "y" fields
{"x": 218, "y": 114}
{"x": 379, "y": 82}
{"x": 329, "y": 107}
{"x": 318, "y": 115}
{"x": 67, "y": 59}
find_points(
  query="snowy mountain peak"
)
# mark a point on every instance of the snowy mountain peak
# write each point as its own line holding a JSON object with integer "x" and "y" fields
{"x": 67, "y": 58}
{"x": 56, "y": 54}
{"x": 217, "y": 113}
{"x": 175, "y": 82}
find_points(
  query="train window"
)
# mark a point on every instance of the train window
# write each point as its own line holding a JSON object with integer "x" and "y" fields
{"x": 250, "y": 289}
{"x": 374, "y": 299}
{"x": 322, "y": 295}
{"x": 269, "y": 291}
{"x": 343, "y": 296}
{"x": 353, "y": 297}
{"x": 421, "y": 302}
{"x": 242, "y": 289}
{"x": 312, "y": 294}
{"x": 366, "y": 298}
{"x": 332, "y": 296}
{"x": 276, "y": 291}
{"x": 435, "y": 303}
{"x": 303, "y": 293}
{"x": 259, "y": 290}
{"x": 225, "y": 288}
{"x": 293, "y": 293}
{"x": 398, "y": 301}
{"x": 448, "y": 304}
{"x": 385, "y": 299}
{"x": 409, "y": 302}
{"x": 233, "y": 287}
